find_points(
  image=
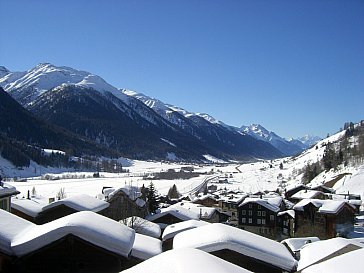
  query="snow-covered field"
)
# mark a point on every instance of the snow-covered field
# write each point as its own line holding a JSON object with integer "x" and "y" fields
{"x": 250, "y": 178}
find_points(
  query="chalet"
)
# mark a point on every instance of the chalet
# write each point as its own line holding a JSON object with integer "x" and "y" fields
{"x": 36, "y": 212}
{"x": 124, "y": 203}
{"x": 206, "y": 200}
{"x": 185, "y": 261}
{"x": 170, "y": 215}
{"x": 320, "y": 251}
{"x": 308, "y": 194}
{"x": 6, "y": 192}
{"x": 240, "y": 247}
{"x": 229, "y": 204}
{"x": 323, "y": 218}
{"x": 259, "y": 215}
{"x": 289, "y": 191}
{"x": 208, "y": 214}
{"x": 80, "y": 242}
{"x": 323, "y": 189}
{"x": 172, "y": 230}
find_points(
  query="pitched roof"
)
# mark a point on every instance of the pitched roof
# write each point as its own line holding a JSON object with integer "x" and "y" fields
{"x": 324, "y": 206}
{"x": 180, "y": 213}
{"x": 80, "y": 202}
{"x": 295, "y": 244}
{"x": 263, "y": 202}
{"x": 216, "y": 237}
{"x": 29, "y": 207}
{"x": 22, "y": 237}
{"x": 348, "y": 262}
{"x": 7, "y": 190}
{"x": 173, "y": 230}
{"x": 185, "y": 261}
{"x": 316, "y": 251}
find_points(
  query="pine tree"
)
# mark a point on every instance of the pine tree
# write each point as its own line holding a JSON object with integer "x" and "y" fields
{"x": 152, "y": 198}
{"x": 173, "y": 192}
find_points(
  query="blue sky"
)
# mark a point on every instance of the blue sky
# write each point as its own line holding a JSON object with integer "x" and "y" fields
{"x": 295, "y": 67}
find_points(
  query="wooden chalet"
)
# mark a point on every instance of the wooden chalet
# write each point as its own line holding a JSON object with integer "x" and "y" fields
{"x": 323, "y": 218}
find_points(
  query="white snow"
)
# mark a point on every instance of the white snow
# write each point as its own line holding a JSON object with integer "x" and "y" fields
{"x": 30, "y": 207}
{"x": 145, "y": 247}
{"x": 316, "y": 251}
{"x": 185, "y": 261}
{"x": 213, "y": 159}
{"x": 142, "y": 226}
{"x": 325, "y": 206}
{"x": 169, "y": 142}
{"x": 296, "y": 244}
{"x": 173, "y": 230}
{"x": 7, "y": 189}
{"x": 216, "y": 237}
{"x": 180, "y": 213}
{"x": 348, "y": 262}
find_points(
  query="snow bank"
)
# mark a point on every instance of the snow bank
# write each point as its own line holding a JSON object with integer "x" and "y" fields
{"x": 216, "y": 237}
{"x": 186, "y": 261}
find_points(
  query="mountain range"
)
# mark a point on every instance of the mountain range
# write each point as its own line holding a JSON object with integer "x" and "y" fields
{"x": 132, "y": 124}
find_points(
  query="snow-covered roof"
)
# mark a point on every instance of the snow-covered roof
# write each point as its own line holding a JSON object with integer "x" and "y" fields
{"x": 204, "y": 212}
{"x": 145, "y": 247}
{"x": 348, "y": 262}
{"x": 20, "y": 237}
{"x": 295, "y": 186}
{"x": 142, "y": 226}
{"x": 10, "y": 227}
{"x": 174, "y": 229}
{"x": 216, "y": 237}
{"x": 325, "y": 206}
{"x": 30, "y": 207}
{"x": 7, "y": 189}
{"x": 316, "y": 251}
{"x": 185, "y": 261}
{"x": 306, "y": 194}
{"x": 295, "y": 244}
{"x": 233, "y": 198}
{"x": 80, "y": 202}
{"x": 290, "y": 212}
{"x": 180, "y": 213}
{"x": 263, "y": 202}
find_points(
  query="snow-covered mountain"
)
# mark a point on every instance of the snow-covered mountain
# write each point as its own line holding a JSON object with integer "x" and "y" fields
{"x": 64, "y": 96}
{"x": 286, "y": 147}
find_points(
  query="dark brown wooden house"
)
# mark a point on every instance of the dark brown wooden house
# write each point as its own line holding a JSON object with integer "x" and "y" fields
{"x": 259, "y": 216}
{"x": 124, "y": 203}
{"x": 323, "y": 218}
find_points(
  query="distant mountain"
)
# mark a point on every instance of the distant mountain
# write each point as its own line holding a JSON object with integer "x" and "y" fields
{"x": 127, "y": 123}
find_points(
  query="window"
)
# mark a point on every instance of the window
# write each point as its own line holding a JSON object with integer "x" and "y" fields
{"x": 259, "y": 213}
{"x": 243, "y": 220}
{"x": 259, "y": 206}
{"x": 259, "y": 221}
{"x": 243, "y": 212}
{"x": 250, "y": 206}
{"x": 263, "y": 213}
{"x": 263, "y": 221}
{"x": 250, "y": 220}
{"x": 272, "y": 217}
{"x": 250, "y": 213}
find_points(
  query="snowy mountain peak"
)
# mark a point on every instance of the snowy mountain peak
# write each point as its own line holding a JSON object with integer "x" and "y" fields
{"x": 3, "y": 70}
{"x": 46, "y": 76}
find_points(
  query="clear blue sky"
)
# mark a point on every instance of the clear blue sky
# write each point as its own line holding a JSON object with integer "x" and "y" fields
{"x": 295, "y": 67}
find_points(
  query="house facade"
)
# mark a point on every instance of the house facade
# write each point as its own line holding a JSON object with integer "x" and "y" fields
{"x": 6, "y": 192}
{"x": 323, "y": 218}
{"x": 259, "y": 217}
